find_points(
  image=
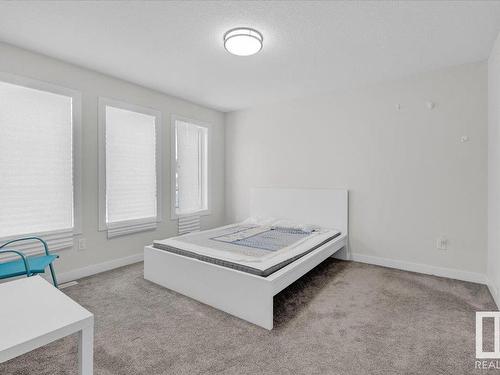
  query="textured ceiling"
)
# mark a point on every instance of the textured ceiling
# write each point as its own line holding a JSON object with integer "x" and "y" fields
{"x": 309, "y": 47}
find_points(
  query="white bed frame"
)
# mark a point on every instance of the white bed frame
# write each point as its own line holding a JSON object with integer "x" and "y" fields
{"x": 242, "y": 294}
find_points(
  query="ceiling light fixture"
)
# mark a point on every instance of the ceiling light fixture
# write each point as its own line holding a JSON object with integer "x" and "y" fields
{"x": 243, "y": 41}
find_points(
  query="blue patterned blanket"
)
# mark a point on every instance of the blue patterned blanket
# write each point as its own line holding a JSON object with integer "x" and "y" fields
{"x": 272, "y": 239}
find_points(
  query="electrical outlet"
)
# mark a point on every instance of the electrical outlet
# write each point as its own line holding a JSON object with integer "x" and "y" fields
{"x": 442, "y": 243}
{"x": 82, "y": 244}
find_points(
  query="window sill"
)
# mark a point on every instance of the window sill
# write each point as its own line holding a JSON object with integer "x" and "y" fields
{"x": 130, "y": 227}
{"x": 56, "y": 240}
{"x": 176, "y": 216}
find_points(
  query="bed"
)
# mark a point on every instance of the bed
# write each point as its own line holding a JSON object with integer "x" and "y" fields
{"x": 239, "y": 268}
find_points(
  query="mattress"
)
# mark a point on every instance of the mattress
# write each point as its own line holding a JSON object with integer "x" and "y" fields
{"x": 259, "y": 248}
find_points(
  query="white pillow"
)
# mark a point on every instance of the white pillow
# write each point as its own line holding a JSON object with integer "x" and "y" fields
{"x": 260, "y": 220}
{"x": 298, "y": 226}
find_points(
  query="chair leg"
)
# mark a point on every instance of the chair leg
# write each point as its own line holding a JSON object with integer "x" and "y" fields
{"x": 53, "y": 276}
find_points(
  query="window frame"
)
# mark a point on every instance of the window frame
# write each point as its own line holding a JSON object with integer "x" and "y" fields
{"x": 58, "y": 239}
{"x": 173, "y": 167}
{"x": 134, "y": 225}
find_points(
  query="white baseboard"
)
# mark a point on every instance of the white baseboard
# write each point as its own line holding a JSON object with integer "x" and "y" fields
{"x": 98, "y": 268}
{"x": 422, "y": 268}
{"x": 369, "y": 259}
{"x": 494, "y": 292}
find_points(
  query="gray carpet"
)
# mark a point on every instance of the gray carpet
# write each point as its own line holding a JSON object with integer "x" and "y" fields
{"x": 341, "y": 318}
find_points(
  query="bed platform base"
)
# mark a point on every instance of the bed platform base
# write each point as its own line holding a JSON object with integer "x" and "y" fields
{"x": 246, "y": 296}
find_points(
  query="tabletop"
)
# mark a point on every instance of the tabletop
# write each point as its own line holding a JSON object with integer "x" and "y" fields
{"x": 32, "y": 307}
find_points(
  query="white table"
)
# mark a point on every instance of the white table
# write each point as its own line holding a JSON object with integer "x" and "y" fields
{"x": 33, "y": 313}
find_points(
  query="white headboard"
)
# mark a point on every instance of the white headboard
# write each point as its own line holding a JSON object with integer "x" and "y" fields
{"x": 325, "y": 207}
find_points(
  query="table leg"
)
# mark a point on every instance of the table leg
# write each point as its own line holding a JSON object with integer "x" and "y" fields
{"x": 86, "y": 350}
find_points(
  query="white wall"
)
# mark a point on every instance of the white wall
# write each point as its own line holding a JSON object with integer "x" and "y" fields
{"x": 91, "y": 84}
{"x": 410, "y": 177}
{"x": 494, "y": 171}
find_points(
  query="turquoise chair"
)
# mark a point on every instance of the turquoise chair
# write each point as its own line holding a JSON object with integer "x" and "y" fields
{"x": 28, "y": 266}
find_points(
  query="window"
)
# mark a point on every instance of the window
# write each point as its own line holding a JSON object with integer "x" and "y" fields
{"x": 130, "y": 169}
{"x": 189, "y": 168}
{"x": 39, "y": 162}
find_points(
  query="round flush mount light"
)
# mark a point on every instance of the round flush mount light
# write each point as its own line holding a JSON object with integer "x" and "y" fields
{"x": 243, "y": 41}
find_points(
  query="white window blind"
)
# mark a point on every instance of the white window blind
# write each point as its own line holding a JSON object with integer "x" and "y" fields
{"x": 191, "y": 164}
{"x": 131, "y": 194}
{"x": 188, "y": 224}
{"x": 36, "y": 163}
